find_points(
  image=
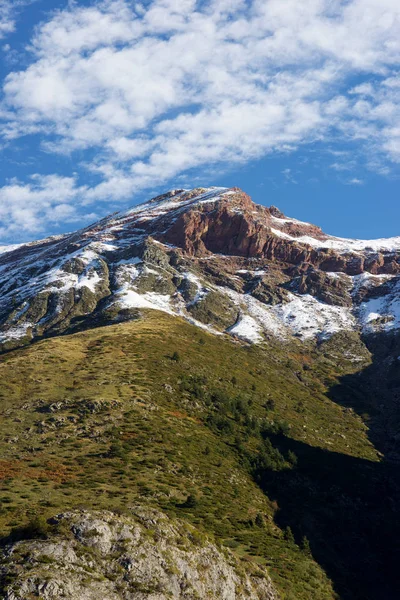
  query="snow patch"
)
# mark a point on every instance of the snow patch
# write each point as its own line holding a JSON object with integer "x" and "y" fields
{"x": 104, "y": 247}
{"x": 9, "y": 248}
{"x": 256, "y": 273}
{"x": 289, "y": 220}
{"x": 367, "y": 280}
{"x": 383, "y": 313}
{"x": 89, "y": 280}
{"x": 343, "y": 245}
{"x": 260, "y": 312}
{"x": 201, "y": 291}
{"x": 132, "y": 299}
{"x": 308, "y": 317}
{"x": 15, "y": 333}
{"x": 247, "y": 328}
{"x": 152, "y": 210}
{"x": 303, "y": 316}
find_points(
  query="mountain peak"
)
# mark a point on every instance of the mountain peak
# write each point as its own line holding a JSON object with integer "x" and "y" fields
{"x": 210, "y": 255}
{"x": 180, "y": 198}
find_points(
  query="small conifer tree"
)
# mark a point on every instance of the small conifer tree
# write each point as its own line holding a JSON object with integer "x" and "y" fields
{"x": 305, "y": 545}
{"x": 288, "y": 535}
{"x": 259, "y": 520}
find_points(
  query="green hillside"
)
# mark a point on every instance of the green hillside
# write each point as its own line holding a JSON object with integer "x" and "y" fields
{"x": 243, "y": 441}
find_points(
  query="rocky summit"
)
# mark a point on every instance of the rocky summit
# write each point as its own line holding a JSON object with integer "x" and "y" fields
{"x": 199, "y": 400}
{"x": 211, "y": 256}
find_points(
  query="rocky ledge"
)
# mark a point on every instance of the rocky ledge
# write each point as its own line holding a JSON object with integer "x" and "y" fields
{"x": 143, "y": 556}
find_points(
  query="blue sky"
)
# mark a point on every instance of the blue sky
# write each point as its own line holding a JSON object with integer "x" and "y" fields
{"x": 107, "y": 103}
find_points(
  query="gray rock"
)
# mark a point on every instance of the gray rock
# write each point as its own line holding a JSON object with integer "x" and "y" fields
{"x": 146, "y": 556}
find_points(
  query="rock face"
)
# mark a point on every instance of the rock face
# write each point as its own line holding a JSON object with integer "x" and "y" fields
{"x": 209, "y": 255}
{"x": 146, "y": 556}
{"x": 238, "y": 227}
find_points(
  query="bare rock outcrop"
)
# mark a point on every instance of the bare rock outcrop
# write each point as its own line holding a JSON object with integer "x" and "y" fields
{"x": 139, "y": 557}
{"x": 188, "y": 252}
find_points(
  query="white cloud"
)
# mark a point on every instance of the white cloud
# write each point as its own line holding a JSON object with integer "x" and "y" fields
{"x": 6, "y": 18}
{"x": 179, "y": 84}
{"x": 355, "y": 181}
{"x": 9, "y": 10}
{"x": 26, "y": 207}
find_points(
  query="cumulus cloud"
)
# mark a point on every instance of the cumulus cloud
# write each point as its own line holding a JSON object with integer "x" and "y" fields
{"x": 158, "y": 89}
{"x": 26, "y": 207}
{"x": 9, "y": 10}
{"x": 6, "y": 18}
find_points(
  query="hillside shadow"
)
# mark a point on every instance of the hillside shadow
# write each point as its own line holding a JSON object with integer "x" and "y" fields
{"x": 348, "y": 507}
{"x": 374, "y": 394}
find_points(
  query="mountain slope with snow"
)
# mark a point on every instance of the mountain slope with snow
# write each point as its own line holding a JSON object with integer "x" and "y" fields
{"x": 284, "y": 447}
{"x": 211, "y": 256}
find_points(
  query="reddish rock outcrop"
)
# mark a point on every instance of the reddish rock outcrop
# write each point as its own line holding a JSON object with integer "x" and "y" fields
{"x": 234, "y": 225}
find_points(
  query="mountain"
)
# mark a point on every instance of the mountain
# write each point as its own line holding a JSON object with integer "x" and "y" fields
{"x": 211, "y": 256}
{"x": 200, "y": 399}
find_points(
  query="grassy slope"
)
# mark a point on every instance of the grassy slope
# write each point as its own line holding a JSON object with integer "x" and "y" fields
{"x": 105, "y": 417}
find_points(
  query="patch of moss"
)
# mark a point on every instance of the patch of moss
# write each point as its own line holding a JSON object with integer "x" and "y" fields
{"x": 215, "y": 309}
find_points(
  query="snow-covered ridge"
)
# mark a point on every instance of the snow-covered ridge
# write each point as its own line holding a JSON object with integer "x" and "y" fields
{"x": 125, "y": 263}
{"x": 342, "y": 245}
{"x": 177, "y": 201}
{"x": 9, "y": 248}
{"x": 156, "y": 208}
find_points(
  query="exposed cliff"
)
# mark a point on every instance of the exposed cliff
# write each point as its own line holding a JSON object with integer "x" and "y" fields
{"x": 102, "y": 555}
{"x": 211, "y": 256}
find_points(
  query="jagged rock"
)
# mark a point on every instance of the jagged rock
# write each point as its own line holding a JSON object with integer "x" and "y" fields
{"x": 329, "y": 288}
{"x": 146, "y": 555}
{"x": 187, "y": 253}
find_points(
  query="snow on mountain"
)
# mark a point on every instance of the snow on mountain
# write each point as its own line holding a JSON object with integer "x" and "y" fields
{"x": 343, "y": 244}
{"x": 381, "y": 313}
{"x": 247, "y": 328}
{"x": 308, "y": 317}
{"x": 209, "y": 255}
{"x": 9, "y": 248}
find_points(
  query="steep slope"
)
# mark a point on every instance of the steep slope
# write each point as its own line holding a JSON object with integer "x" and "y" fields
{"x": 284, "y": 450}
{"x": 210, "y": 255}
{"x": 241, "y": 441}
